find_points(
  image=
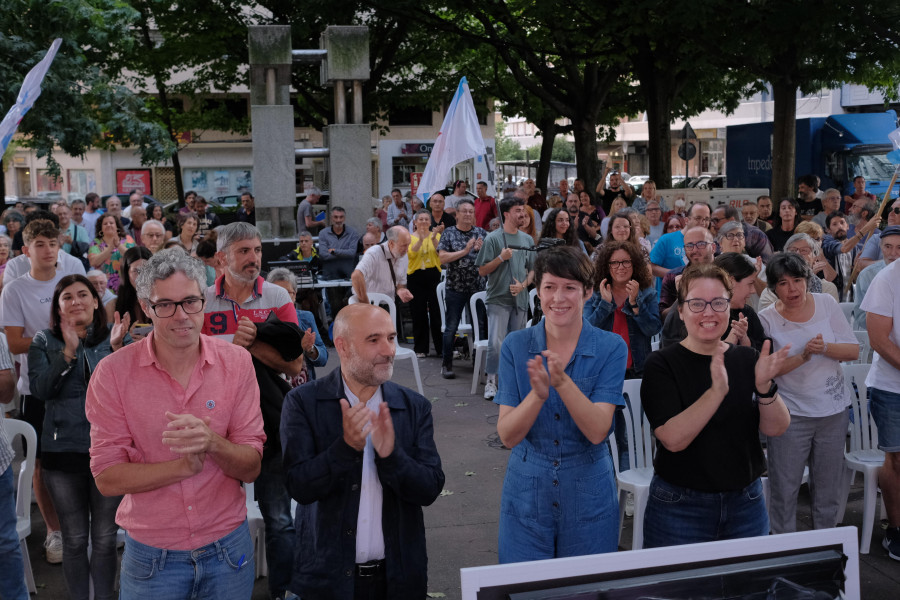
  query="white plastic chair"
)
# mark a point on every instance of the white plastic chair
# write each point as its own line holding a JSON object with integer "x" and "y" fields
{"x": 640, "y": 457}
{"x": 13, "y": 428}
{"x": 464, "y": 327}
{"x": 401, "y": 352}
{"x": 480, "y": 346}
{"x": 865, "y": 348}
{"x": 257, "y": 531}
{"x": 864, "y": 455}
{"x": 847, "y": 308}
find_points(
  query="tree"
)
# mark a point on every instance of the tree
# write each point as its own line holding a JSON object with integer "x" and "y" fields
{"x": 184, "y": 59}
{"x": 506, "y": 147}
{"x": 572, "y": 69}
{"x": 809, "y": 45}
{"x": 81, "y": 106}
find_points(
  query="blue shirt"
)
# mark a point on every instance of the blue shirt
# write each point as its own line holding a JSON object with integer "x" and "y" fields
{"x": 597, "y": 367}
{"x": 668, "y": 251}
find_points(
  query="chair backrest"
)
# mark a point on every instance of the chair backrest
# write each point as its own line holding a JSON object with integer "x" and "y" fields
{"x": 442, "y": 302}
{"x": 848, "y": 307}
{"x": 13, "y": 428}
{"x": 863, "y": 433}
{"x": 383, "y": 301}
{"x": 865, "y": 348}
{"x": 473, "y": 310}
{"x": 640, "y": 436}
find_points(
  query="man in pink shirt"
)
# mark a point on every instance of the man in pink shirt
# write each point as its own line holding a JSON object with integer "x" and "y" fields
{"x": 176, "y": 427}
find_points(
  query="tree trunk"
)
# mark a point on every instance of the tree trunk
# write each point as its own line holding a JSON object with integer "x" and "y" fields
{"x": 659, "y": 130}
{"x": 784, "y": 140}
{"x": 548, "y": 131}
{"x": 585, "y": 132}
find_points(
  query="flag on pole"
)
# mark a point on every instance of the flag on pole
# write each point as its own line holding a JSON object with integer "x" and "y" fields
{"x": 31, "y": 89}
{"x": 894, "y": 155}
{"x": 459, "y": 139}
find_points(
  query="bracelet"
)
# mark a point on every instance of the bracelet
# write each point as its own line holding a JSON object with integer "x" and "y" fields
{"x": 825, "y": 350}
{"x": 772, "y": 401}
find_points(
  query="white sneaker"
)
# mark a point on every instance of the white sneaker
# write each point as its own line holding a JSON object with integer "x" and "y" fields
{"x": 53, "y": 548}
{"x": 490, "y": 390}
{"x": 629, "y": 505}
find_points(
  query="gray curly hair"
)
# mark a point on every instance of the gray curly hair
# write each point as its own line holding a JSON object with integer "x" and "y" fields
{"x": 163, "y": 265}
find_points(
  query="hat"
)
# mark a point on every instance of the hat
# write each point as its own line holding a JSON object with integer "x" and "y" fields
{"x": 891, "y": 230}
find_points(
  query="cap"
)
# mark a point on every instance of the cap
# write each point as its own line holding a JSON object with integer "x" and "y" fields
{"x": 890, "y": 230}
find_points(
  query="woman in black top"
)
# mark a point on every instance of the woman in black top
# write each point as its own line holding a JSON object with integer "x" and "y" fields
{"x": 785, "y": 224}
{"x": 699, "y": 398}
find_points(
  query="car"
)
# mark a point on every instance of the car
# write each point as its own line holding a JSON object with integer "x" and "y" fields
{"x": 637, "y": 179}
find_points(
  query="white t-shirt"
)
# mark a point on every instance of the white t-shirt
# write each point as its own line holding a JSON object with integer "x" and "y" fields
{"x": 883, "y": 298}
{"x": 25, "y": 302}
{"x": 816, "y": 388}
{"x": 89, "y": 222}
{"x": 18, "y": 266}
{"x": 126, "y": 212}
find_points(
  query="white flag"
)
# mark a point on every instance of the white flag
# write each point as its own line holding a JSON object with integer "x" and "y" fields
{"x": 31, "y": 89}
{"x": 459, "y": 139}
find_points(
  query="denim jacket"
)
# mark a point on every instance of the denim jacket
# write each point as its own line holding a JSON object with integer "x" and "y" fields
{"x": 63, "y": 388}
{"x": 641, "y": 327}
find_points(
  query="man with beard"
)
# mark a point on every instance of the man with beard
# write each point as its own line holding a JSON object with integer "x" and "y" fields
{"x": 239, "y": 300}
{"x": 840, "y": 250}
{"x": 361, "y": 462}
{"x": 699, "y": 248}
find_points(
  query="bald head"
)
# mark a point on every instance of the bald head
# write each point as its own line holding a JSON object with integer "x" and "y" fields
{"x": 365, "y": 340}
{"x": 398, "y": 240}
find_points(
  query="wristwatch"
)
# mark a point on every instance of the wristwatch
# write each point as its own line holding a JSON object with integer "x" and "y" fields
{"x": 771, "y": 393}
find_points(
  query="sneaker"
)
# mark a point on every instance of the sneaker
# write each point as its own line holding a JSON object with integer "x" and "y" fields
{"x": 629, "y": 505}
{"x": 447, "y": 372}
{"x": 421, "y": 355}
{"x": 53, "y": 548}
{"x": 891, "y": 542}
{"x": 490, "y": 390}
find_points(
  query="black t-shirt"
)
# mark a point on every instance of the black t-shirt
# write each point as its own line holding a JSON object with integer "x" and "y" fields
{"x": 726, "y": 455}
{"x": 811, "y": 209}
{"x": 674, "y": 331}
{"x": 447, "y": 220}
{"x": 606, "y": 198}
{"x": 778, "y": 237}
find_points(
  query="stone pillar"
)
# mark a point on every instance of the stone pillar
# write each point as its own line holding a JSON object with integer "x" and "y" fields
{"x": 349, "y": 145}
{"x": 272, "y": 127}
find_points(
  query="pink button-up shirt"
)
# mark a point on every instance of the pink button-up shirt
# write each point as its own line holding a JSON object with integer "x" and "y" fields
{"x": 127, "y": 400}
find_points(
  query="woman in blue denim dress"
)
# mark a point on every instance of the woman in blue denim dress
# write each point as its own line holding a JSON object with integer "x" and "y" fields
{"x": 699, "y": 399}
{"x": 560, "y": 383}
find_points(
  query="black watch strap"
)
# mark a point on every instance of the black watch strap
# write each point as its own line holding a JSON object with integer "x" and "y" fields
{"x": 771, "y": 393}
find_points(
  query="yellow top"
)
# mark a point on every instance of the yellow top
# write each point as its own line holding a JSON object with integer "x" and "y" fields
{"x": 425, "y": 257}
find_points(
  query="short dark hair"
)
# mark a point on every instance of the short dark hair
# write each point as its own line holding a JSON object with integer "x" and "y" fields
{"x": 786, "y": 264}
{"x": 736, "y": 265}
{"x": 809, "y": 181}
{"x": 481, "y": 183}
{"x": 507, "y": 203}
{"x": 99, "y": 331}
{"x": 567, "y": 262}
{"x": 640, "y": 272}
{"x": 466, "y": 200}
{"x": 91, "y": 196}
{"x": 40, "y": 228}
{"x": 858, "y": 177}
{"x": 247, "y": 194}
{"x": 98, "y": 227}
{"x": 335, "y": 209}
{"x": 835, "y": 215}
{"x": 730, "y": 211}
{"x": 44, "y": 215}
{"x": 396, "y": 190}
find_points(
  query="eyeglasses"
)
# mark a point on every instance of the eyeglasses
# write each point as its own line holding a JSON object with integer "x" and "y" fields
{"x": 166, "y": 309}
{"x": 896, "y": 210}
{"x": 653, "y": 210}
{"x": 715, "y": 220}
{"x": 734, "y": 236}
{"x": 700, "y": 220}
{"x": 697, "y": 245}
{"x": 805, "y": 251}
{"x": 620, "y": 264}
{"x": 698, "y": 305}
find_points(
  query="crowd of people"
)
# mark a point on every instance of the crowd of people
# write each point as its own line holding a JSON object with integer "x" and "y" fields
{"x": 728, "y": 315}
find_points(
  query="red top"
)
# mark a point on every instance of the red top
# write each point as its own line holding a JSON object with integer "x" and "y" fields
{"x": 485, "y": 210}
{"x": 620, "y": 326}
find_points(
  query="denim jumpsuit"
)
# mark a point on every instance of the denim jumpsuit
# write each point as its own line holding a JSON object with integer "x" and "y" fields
{"x": 559, "y": 496}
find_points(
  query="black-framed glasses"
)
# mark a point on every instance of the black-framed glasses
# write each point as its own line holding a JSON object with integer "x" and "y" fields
{"x": 736, "y": 235}
{"x": 166, "y": 308}
{"x": 697, "y": 245}
{"x": 698, "y": 305}
{"x": 620, "y": 264}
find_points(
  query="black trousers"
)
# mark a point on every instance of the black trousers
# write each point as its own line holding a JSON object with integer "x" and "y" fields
{"x": 426, "y": 313}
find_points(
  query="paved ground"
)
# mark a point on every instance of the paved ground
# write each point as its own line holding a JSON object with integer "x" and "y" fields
{"x": 462, "y": 524}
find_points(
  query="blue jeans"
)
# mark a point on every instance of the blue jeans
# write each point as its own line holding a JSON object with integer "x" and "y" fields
{"x": 275, "y": 506}
{"x": 677, "y": 515}
{"x": 454, "y": 305}
{"x": 220, "y": 570}
{"x": 885, "y": 409}
{"x": 85, "y": 513}
{"x": 12, "y": 567}
{"x": 556, "y": 508}
{"x": 501, "y": 320}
